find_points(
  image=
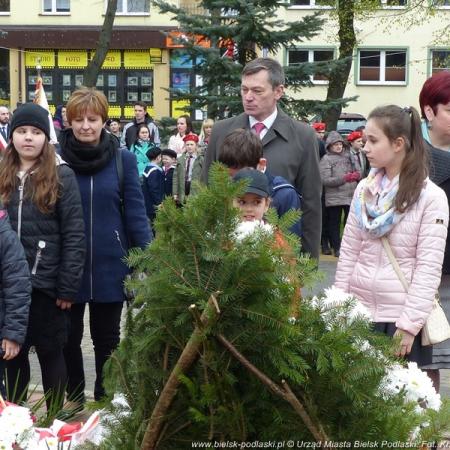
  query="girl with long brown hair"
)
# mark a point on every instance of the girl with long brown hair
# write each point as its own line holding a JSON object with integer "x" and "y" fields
{"x": 398, "y": 202}
{"x": 41, "y": 195}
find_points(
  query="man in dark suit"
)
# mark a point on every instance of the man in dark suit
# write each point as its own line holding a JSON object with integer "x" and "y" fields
{"x": 290, "y": 147}
{"x": 4, "y": 127}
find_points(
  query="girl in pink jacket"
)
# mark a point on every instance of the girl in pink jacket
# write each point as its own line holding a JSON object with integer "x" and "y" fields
{"x": 399, "y": 201}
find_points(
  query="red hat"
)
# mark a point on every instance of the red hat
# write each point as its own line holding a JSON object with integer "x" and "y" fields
{"x": 318, "y": 126}
{"x": 190, "y": 137}
{"x": 354, "y": 135}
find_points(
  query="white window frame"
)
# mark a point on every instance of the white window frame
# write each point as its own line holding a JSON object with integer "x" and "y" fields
{"x": 311, "y": 60}
{"x": 125, "y": 11}
{"x": 382, "y": 81}
{"x": 447, "y": 50}
{"x": 312, "y": 5}
{"x": 54, "y": 11}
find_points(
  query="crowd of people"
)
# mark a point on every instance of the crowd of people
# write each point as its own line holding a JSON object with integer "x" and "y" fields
{"x": 75, "y": 209}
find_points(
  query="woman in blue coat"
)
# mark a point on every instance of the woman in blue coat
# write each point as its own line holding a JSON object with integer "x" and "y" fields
{"x": 115, "y": 220}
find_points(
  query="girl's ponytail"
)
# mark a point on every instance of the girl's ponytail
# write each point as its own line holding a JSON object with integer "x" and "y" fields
{"x": 405, "y": 122}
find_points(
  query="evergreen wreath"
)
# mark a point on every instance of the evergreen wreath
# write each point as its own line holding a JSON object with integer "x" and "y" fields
{"x": 214, "y": 350}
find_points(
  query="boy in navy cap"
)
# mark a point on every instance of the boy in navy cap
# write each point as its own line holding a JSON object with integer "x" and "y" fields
{"x": 255, "y": 201}
{"x": 243, "y": 149}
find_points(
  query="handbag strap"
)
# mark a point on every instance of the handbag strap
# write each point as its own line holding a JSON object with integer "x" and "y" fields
{"x": 393, "y": 260}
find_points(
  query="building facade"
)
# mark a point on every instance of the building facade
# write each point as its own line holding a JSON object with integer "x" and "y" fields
{"x": 398, "y": 48}
{"x": 58, "y": 37}
{"x": 400, "y": 44}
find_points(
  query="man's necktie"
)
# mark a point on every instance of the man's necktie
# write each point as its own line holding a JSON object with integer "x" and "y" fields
{"x": 4, "y": 134}
{"x": 258, "y": 127}
{"x": 188, "y": 166}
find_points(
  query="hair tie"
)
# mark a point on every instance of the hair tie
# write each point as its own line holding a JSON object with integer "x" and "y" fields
{"x": 407, "y": 110}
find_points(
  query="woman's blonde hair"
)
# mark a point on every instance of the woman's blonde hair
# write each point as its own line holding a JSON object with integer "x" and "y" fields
{"x": 43, "y": 186}
{"x": 206, "y": 123}
{"x": 85, "y": 99}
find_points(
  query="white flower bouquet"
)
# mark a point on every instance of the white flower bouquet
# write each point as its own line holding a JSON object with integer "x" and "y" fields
{"x": 17, "y": 430}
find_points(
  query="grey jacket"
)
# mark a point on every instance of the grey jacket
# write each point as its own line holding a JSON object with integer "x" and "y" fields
{"x": 333, "y": 167}
{"x": 291, "y": 150}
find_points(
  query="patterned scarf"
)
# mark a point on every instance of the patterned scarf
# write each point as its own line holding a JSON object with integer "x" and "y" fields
{"x": 374, "y": 206}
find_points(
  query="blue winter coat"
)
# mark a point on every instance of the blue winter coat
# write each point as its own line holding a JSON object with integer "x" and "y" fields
{"x": 284, "y": 198}
{"x": 109, "y": 234}
{"x": 153, "y": 189}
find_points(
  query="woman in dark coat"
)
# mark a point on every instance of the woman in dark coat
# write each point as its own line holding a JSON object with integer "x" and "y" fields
{"x": 115, "y": 220}
{"x": 435, "y": 107}
{"x": 43, "y": 202}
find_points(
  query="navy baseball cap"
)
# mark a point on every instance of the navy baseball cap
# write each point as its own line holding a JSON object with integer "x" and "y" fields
{"x": 257, "y": 182}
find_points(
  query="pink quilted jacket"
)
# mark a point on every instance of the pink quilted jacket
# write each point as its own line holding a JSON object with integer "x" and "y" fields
{"x": 418, "y": 243}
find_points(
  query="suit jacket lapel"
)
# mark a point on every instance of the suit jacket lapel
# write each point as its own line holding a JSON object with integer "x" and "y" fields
{"x": 279, "y": 128}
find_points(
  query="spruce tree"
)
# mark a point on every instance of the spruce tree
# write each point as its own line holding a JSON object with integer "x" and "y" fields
{"x": 221, "y": 347}
{"x": 236, "y": 30}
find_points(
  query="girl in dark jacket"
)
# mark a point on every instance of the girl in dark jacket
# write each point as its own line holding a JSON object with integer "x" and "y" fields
{"x": 115, "y": 219}
{"x": 43, "y": 202}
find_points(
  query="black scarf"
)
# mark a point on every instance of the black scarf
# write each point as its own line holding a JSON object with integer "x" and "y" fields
{"x": 86, "y": 159}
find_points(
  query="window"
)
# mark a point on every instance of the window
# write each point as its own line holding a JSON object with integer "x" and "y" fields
{"x": 393, "y": 3}
{"x": 312, "y": 3}
{"x": 440, "y": 60}
{"x": 133, "y": 6}
{"x": 296, "y": 57}
{"x": 56, "y": 6}
{"x": 4, "y": 6}
{"x": 441, "y": 3}
{"x": 382, "y": 66}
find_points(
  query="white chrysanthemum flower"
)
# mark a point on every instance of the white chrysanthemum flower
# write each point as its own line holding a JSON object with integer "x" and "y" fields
{"x": 245, "y": 229}
{"x": 14, "y": 421}
{"x": 415, "y": 384}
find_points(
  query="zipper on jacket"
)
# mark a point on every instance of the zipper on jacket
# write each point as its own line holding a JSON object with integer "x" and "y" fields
{"x": 41, "y": 246}
{"x": 120, "y": 241}
{"x": 91, "y": 232}
{"x": 19, "y": 211}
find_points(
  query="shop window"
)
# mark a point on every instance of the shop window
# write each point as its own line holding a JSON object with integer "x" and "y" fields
{"x": 48, "y": 81}
{"x": 4, "y": 76}
{"x": 5, "y": 6}
{"x": 440, "y": 60}
{"x": 133, "y": 6}
{"x": 56, "y": 6}
{"x": 138, "y": 86}
{"x": 298, "y": 56}
{"x": 382, "y": 67}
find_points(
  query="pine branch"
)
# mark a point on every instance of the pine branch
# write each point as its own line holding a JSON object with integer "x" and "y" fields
{"x": 285, "y": 392}
{"x": 185, "y": 361}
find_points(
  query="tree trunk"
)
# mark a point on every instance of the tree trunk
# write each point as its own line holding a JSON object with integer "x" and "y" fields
{"x": 92, "y": 70}
{"x": 339, "y": 77}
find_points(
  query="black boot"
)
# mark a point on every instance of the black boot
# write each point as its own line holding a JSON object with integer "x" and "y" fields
{"x": 325, "y": 248}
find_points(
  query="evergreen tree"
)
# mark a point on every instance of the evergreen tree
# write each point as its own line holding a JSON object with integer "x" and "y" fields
{"x": 220, "y": 347}
{"x": 235, "y": 30}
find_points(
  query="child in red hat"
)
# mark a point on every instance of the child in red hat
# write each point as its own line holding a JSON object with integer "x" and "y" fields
{"x": 356, "y": 141}
{"x": 188, "y": 169}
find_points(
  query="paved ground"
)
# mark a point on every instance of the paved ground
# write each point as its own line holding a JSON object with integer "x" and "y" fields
{"x": 327, "y": 266}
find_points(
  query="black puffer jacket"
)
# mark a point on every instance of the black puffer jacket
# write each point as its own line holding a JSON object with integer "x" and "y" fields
{"x": 440, "y": 174}
{"x": 15, "y": 286}
{"x": 54, "y": 243}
